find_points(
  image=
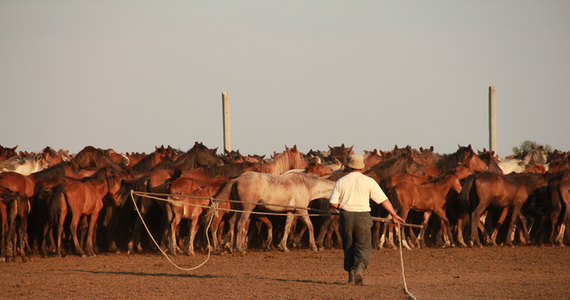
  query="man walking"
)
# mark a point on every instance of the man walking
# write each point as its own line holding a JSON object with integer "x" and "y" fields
{"x": 351, "y": 195}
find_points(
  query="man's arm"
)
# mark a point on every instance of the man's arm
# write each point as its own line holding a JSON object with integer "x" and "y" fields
{"x": 388, "y": 206}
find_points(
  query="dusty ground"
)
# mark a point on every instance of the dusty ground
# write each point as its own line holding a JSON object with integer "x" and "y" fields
{"x": 523, "y": 272}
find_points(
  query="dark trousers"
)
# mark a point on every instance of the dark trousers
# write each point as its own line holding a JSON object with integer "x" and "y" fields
{"x": 356, "y": 238}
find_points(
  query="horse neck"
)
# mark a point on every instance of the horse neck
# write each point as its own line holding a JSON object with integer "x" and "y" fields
{"x": 446, "y": 183}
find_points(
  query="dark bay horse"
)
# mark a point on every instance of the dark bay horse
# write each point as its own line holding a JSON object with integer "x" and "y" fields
{"x": 486, "y": 189}
{"x": 14, "y": 207}
{"x": 287, "y": 193}
{"x": 341, "y": 153}
{"x": 198, "y": 156}
{"x": 488, "y": 157}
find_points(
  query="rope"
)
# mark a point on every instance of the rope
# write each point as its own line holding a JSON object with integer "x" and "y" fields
{"x": 162, "y": 251}
{"x": 402, "y": 263}
{"x": 215, "y": 206}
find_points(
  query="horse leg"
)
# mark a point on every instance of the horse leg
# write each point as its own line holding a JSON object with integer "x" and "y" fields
{"x": 23, "y": 230}
{"x": 283, "y": 244}
{"x": 3, "y": 216}
{"x": 524, "y": 232}
{"x": 91, "y": 236}
{"x": 400, "y": 231}
{"x": 461, "y": 222}
{"x": 309, "y": 227}
{"x": 382, "y": 233}
{"x": 298, "y": 237}
{"x": 421, "y": 240}
{"x": 134, "y": 243}
{"x": 332, "y": 229}
{"x": 498, "y": 225}
{"x": 514, "y": 216}
{"x": 193, "y": 229}
{"x": 176, "y": 217}
{"x": 323, "y": 231}
{"x": 269, "y": 243}
{"x": 242, "y": 231}
{"x": 74, "y": 224}
{"x": 474, "y": 224}
{"x": 109, "y": 223}
{"x": 446, "y": 227}
{"x": 232, "y": 232}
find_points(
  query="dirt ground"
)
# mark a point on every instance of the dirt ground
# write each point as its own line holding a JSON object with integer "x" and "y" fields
{"x": 522, "y": 272}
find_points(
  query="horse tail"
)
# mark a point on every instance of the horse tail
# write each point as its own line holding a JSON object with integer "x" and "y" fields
{"x": 57, "y": 203}
{"x": 394, "y": 199}
{"x": 464, "y": 201}
{"x": 223, "y": 194}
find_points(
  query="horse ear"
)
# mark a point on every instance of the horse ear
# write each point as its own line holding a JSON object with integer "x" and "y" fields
{"x": 330, "y": 148}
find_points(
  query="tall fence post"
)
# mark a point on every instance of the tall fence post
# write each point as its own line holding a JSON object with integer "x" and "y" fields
{"x": 492, "y": 119}
{"x": 226, "y": 120}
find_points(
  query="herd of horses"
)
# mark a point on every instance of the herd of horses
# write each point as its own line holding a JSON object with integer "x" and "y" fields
{"x": 52, "y": 203}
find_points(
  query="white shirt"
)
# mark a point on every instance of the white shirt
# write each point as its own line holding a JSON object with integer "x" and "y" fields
{"x": 353, "y": 192}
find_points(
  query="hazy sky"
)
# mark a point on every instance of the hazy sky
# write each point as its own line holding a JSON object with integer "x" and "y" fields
{"x": 132, "y": 75}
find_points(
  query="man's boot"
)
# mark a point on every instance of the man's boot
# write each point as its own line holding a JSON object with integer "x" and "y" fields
{"x": 359, "y": 273}
{"x": 351, "y": 277}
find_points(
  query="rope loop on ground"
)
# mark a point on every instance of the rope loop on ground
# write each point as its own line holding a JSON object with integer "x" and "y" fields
{"x": 162, "y": 251}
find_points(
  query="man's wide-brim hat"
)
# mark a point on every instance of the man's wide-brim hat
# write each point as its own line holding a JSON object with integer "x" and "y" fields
{"x": 356, "y": 161}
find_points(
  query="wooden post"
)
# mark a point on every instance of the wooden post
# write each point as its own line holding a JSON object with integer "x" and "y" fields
{"x": 492, "y": 119}
{"x": 226, "y": 119}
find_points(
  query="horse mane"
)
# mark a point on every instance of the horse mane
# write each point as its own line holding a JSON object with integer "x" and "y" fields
{"x": 309, "y": 180}
{"x": 441, "y": 177}
{"x": 450, "y": 161}
{"x": 226, "y": 171}
{"x": 390, "y": 165}
{"x": 535, "y": 157}
{"x": 145, "y": 164}
{"x": 280, "y": 164}
{"x": 57, "y": 169}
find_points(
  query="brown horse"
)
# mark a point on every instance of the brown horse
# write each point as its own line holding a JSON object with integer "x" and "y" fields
{"x": 187, "y": 201}
{"x": 7, "y": 153}
{"x": 82, "y": 199}
{"x": 486, "y": 188}
{"x": 15, "y": 216}
{"x": 157, "y": 181}
{"x": 449, "y": 162}
{"x": 341, "y": 153}
{"x": 95, "y": 157}
{"x": 291, "y": 158}
{"x": 147, "y": 162}
{"x": 198, "y": 156}
{"x": 558, "y": 208}
{"x": 278, "y": 193}
{"x": 428, "y": 198}
{"x": 492, "y": 162}
{"x": 371, "y": 158}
